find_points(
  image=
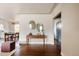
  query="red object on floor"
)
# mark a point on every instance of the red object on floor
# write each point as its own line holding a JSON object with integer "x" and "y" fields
{"x": 8, "y": 46}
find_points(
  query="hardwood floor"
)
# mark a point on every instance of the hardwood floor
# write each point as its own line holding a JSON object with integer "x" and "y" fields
{"x": 37, "y": 50}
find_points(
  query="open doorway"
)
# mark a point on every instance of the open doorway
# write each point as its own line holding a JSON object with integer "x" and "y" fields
{"x": 16, "y": 30}
{"x": 57, "y": 32}
{"x": 1, "y": 34}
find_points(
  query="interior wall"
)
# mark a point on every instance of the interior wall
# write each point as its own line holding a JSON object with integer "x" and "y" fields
{"x": 7, "y": 27}
{"x": 11, "y": 27}
{"x": 44, "y": 19}
{"x": 70, "y": 30}
{"x": 5, "y": 24}
{"x": 54, "y": 13}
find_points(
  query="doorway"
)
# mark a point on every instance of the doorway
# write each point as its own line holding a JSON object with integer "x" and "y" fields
{"x": 16, "y": 31}
{"x": 57, "y": 32}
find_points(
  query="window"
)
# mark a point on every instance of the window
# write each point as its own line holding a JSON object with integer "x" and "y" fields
{"x": 1, "y": 31}
{"x": 1, "y": 27}
{"x": 16, "y": 28}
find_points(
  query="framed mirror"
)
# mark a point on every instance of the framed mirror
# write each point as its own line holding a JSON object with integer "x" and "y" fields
{"x": 32, "y": 24}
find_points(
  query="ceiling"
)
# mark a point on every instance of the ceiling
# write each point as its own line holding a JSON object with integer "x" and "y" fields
{"x": 36, "y": 8}
{"x": 9, "y": 10}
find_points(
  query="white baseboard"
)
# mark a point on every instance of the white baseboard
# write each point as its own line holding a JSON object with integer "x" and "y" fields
{"x": 23, "y": 42}
{"x": 62, "y": 54}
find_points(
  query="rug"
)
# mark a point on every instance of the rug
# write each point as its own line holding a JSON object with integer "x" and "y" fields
{"x": 7, "y": 53}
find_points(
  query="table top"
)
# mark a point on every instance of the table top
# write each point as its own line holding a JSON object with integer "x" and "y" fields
{"x": 36, "y": 36}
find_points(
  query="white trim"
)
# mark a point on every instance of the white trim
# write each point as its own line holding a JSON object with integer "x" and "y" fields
{"x": 24, "y": 42}
{"x": 62, "y": 54}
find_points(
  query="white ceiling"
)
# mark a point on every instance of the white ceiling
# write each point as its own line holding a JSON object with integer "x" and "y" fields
{"x": 9, "y": 10}
{"x": 35, "y": 8}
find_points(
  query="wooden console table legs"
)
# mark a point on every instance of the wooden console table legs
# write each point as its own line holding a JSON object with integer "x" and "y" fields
{"x": 27, "y": 41}
{"x": 29, "y": 37}
{"x": 43, "y": 41}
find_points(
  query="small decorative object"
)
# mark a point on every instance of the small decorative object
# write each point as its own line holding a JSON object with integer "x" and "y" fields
{"x": 30, "y": 33}
{"x": 40, "y": 27}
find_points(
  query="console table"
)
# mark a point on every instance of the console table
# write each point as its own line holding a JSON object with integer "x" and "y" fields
{"x": 28, "y": 37}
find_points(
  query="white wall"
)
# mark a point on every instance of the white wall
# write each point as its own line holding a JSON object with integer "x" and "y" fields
{"x": 11, "y": 27}
{"x": 45, "y": 19}
{"x": 70, "y": 30}
{"x": 7, "y": 26}
{"x": 70, "y": 27}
